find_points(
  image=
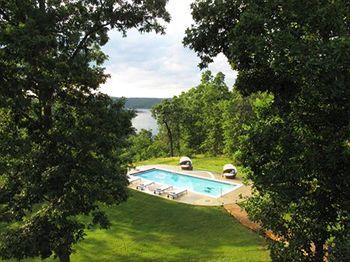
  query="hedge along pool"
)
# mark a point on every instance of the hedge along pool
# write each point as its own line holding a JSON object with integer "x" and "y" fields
{"x": 208, "y": 187}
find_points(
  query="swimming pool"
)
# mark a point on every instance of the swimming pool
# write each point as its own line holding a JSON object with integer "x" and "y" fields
{"x": 208, "y": 187}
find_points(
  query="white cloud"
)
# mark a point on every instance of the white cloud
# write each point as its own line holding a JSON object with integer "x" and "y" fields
{"x": 150, "y": 65}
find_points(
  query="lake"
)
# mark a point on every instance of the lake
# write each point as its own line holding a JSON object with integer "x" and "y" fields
{"x": 144, "y": 120}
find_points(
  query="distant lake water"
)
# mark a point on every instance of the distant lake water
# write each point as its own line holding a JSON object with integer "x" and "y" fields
{"x": 144, "y": 120}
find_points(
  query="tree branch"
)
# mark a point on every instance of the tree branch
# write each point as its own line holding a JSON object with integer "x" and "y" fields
{"x": 85, "y": 38}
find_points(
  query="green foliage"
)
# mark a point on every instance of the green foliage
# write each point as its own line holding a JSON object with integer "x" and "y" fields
{"x": 238, "y": 113}
{"x": 168, "y": 115}
{"x": 193, "y": 120}
{"x": 62, "y": 144}
{"x": 140, "y": 145}
{"x": 141, "y": 102}
{"x": 57, "y": 179}
{"x": 297, "y": 149}
{"x": 144, "y": 146}
{"x": 207, "y": 119}
{"x": 209, "y": 95}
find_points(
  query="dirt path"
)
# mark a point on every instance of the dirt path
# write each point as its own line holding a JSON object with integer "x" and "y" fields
{"x": 242, "y": 216}
{"x": 238, "y": 213}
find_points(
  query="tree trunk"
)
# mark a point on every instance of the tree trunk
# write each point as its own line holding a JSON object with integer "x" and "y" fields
{"x": 47, "y": 116}
{"x": 46, "y": 97}
{"x": 178, "y": 142}
{"x": 319, "y": 251}
{"x": 64, "y": 257}
{"x": 170, "y": 136}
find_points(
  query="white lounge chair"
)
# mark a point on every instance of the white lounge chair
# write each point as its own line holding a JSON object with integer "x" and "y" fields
{"x": 132, "y": 178}
{"x": 144, "y": 185}
{"x": 161, "y": 189}
{"x": 176, "y": 193}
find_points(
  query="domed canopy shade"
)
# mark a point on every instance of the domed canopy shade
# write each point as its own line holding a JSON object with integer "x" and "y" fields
{"x": 229, "y": 167}
{"x": 229, "y": 171}
{"x": 185, "y": 159}
{"x": 186, "y": 163}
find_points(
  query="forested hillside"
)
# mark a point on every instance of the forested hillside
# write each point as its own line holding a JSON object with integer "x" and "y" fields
{"x": 141, "y": 102}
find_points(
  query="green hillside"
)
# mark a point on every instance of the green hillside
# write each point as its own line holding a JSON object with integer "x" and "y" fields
{"x": 141, "y": 102}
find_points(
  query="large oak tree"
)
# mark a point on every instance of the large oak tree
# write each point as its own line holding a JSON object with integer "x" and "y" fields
{"x": 61, "y": 142}
{"x": 299, "y": 149}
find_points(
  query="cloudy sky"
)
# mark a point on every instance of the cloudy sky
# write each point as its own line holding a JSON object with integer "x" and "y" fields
{"x": 150, "y": 65}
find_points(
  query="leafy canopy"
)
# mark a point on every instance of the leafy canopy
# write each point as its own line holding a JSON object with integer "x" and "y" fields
{"x": 298, "y": 150}
{"x": 192, "y": 121}
{"x": 62, "y": 143}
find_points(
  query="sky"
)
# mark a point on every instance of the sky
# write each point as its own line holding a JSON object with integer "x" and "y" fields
{"x": 151, "y": 65}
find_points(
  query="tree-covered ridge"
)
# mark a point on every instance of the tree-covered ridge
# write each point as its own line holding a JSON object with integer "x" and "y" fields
{"x": 140, "y": 102}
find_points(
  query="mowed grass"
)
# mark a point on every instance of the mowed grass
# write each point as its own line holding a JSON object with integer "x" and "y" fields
{"x": 200, "y": 162}
{"x": 148, "y": 228}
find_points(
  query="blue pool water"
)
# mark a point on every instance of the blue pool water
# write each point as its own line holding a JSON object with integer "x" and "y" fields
{"x": 198, "y": 185}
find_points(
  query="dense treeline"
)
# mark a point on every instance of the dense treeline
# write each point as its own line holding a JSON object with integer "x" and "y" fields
{"x": 207, "y": 119}
{"x": 140, "y": 102}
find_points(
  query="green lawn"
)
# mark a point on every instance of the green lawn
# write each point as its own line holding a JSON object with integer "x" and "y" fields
{"x": 200, "y": 162}
{"x": 148, "y": 228}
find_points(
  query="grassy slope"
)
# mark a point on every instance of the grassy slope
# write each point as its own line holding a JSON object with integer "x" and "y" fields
{"x": 200, "y": 162}
{"x": 147, "y": 228}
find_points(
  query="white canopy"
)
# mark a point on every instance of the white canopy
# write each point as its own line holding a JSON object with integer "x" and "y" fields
{"x": 229, "y": 167}
{"x": 185, "y": 159}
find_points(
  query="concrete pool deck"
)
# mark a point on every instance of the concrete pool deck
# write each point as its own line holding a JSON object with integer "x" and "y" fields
{"x": 192, "y": 198}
